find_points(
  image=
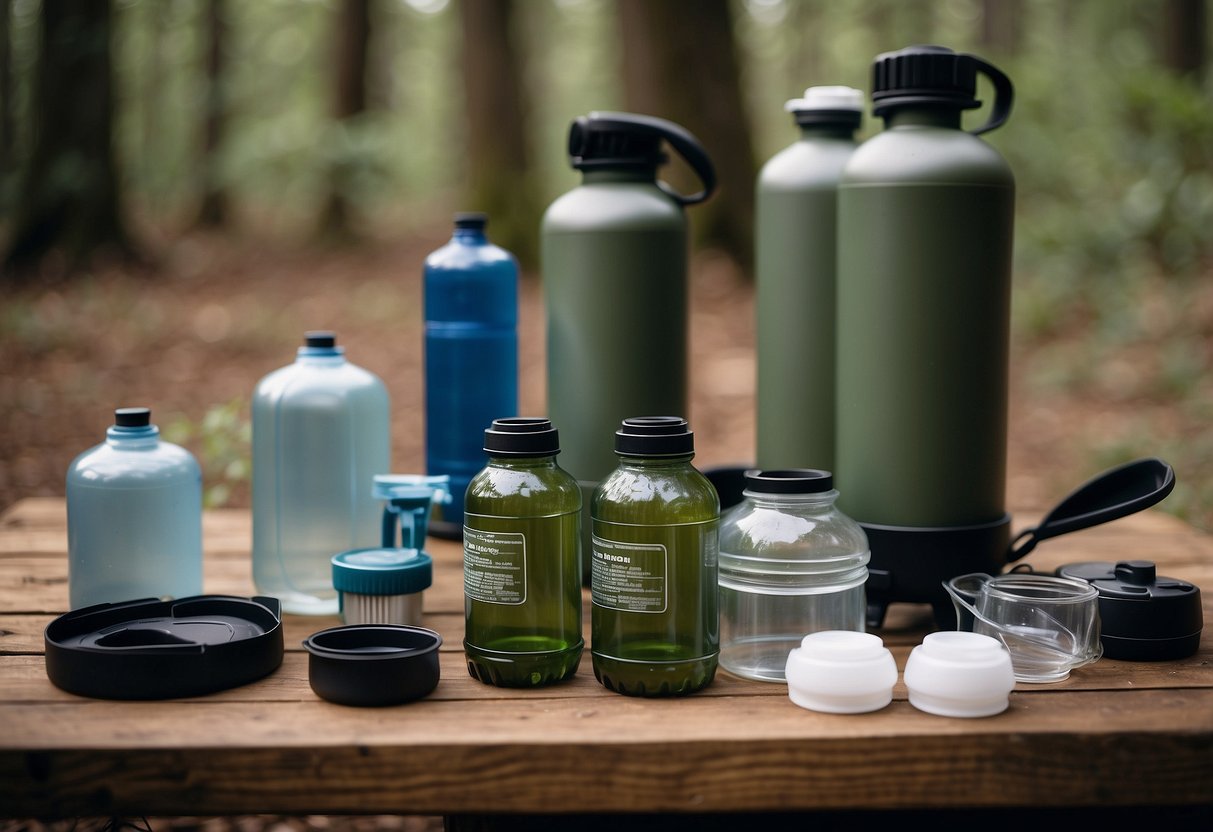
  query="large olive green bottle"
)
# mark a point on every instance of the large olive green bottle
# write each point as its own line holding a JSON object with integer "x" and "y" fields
{"x": 614, "y": 262}
{"x": 925, "y": 230}
{"x": 521, "y": 560}
{"x": 795, "y": 241}
{"x": 655, "y": 627}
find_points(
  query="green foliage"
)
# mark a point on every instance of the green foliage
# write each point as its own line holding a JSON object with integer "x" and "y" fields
{"x": 222, "y": 442}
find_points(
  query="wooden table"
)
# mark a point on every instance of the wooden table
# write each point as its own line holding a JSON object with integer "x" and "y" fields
{"x": 1114, "y": 738}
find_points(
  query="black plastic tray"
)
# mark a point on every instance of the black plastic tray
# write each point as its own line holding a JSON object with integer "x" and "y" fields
{"x": 154, "y": 649}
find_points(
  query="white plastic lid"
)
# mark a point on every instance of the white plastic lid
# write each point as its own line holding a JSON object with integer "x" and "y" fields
{"x": 959, "y": 674}
{"x": 827, "y": 98}
{"x": 841, "y": 672}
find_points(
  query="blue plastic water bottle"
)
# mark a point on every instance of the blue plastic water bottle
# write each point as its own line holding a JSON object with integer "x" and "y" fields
{"x": 321, "y": 432}
{"x": 471, "y": 353}
{"x": 134, "y": 516}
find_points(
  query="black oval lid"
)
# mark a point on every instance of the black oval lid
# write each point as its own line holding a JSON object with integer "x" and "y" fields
{"x": 1143, "y": 616}
{"x": 153, "y": 649}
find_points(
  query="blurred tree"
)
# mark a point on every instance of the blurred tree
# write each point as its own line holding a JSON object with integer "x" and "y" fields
{"x": 352, "y": 48}
{"x": 680, "y": 63}
{"x": 69, "y": 199}
{"x": 7, "y": 137}
{"x": 1185, "y": 27}
{"x": 500, "y": 180}
{"x": 213, "y": 213}
{"x": 1002, "y": 26}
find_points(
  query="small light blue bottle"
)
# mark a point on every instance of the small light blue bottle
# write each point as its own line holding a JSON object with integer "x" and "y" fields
{"x": 134, "y": 517}
{"x": 471, "y": 352}
{"x": 321, "y": 432}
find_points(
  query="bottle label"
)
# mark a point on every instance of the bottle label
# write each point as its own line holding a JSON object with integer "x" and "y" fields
{"x": 629, "y": 576}
{"x": 494, "y": 566}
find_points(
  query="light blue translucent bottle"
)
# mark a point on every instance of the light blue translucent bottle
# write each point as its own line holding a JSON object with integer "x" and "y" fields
{"x": 134, "y": 516}
{"x": 471, "y": 353}
{"x": 321, "y": 432}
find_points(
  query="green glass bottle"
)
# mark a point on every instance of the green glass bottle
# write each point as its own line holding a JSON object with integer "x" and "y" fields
{"x": 654, "y": 620}
{"x": 521, "y": 560}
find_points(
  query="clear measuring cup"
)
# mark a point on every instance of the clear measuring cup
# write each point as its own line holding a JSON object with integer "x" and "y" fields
{"x": 1049, "y": 625}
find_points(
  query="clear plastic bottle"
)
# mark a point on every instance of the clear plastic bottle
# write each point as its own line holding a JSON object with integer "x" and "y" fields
{"x": 134, "y": 516}
{"x": 471, "y": 353}
{"x": 654, "y": 621}
{"x": 522, "y": 560}
{"x": 791, "y": 564}
{"x": 321, "y": 432}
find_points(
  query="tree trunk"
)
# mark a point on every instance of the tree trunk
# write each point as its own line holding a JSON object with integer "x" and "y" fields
{"x": 680, "y": 63}
{"x": 8, "y": 139}
{"x": 349, "y": 100}
{"x": 1185, "y": 23}
{"x": 1002, "y": 26}
{"x": 500, "y": 181}
{"x": 69, "y": 202}
{"x": 213, "y": 212}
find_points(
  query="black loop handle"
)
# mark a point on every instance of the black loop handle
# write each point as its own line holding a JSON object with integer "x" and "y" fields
{"x": 1004, "y": 96}
{"x": 679, "y": 138}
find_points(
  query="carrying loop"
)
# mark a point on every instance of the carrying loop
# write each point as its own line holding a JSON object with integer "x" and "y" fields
{"x": 1004, "y": 96}
{"x": 587, "y": 152}
{"x": 1023, "y": 543}
{"x": 1117, "y": 492}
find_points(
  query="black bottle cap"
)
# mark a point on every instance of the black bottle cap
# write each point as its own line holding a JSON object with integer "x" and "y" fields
{"x": 522, "y": 436}
{"x": 320, "y": 339}
{"x": 594, "y": 144}
{"x": 655, "y": 436}
{"x": 133, "y": 417}
{"x": 924, "y": 74}
{"x": 789, "y": 481}
{"x": 474, "y": 220}
{"x": 1143, "y": 616}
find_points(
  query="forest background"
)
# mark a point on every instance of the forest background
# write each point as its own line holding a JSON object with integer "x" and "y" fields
{"x": 186, "y": 186}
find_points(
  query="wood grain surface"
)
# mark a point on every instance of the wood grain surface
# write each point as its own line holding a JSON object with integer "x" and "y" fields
{"x": 1114, "y": 734}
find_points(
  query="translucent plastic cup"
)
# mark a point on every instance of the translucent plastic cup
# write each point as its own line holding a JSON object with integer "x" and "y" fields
{"x": 1049, "y": 625}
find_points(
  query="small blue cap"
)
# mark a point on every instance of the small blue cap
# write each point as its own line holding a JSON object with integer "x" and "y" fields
{"x": 382, "y": 571}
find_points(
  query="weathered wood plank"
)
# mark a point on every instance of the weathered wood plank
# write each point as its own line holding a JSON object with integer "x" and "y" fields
{"x": 566, "y": 755}
{"x": 24, "y": 679}
{"x": 40, "y": 584}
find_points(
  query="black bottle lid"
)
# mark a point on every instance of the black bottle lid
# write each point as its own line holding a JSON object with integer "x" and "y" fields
{"x": 1143, "y": 616}
{"x": 472, "y": 220}
{"x": 320, "y": 339}
{"x": 936, "y": 75}
{"x": 522, "y": 436}
{"x": 133, "y": 417}
{"x": 153, "y": 649}
{"x": 925, "y": 72}
{"x": 655, "y": 436}
{"x": 630, "y": 140}
{"x": 789, "y": 481}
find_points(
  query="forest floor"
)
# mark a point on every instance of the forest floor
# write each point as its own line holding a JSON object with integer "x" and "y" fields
{"x": 191, "y": 338}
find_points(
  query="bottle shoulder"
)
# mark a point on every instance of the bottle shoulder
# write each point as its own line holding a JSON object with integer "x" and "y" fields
{"x": 305, "y": 380}
{"x": 525, "y": 491}
{"x": 679, "y": 494}
{"x": 927, "y": 155}
{"x": 606, "y": 206}
{"x": 459, "y": 257}
{"x": 753, "y": 529}
{"x": 808, "y": 163}
{"x": 141, "y": 465}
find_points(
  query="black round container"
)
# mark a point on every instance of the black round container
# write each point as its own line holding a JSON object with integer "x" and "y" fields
{"x": 373, "y": 665}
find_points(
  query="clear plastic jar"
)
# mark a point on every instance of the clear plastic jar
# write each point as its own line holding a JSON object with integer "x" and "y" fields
{"x": 790, "y": 564}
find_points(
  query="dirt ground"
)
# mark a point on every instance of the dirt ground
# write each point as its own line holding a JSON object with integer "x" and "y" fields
{"x": 217, "y": 314}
